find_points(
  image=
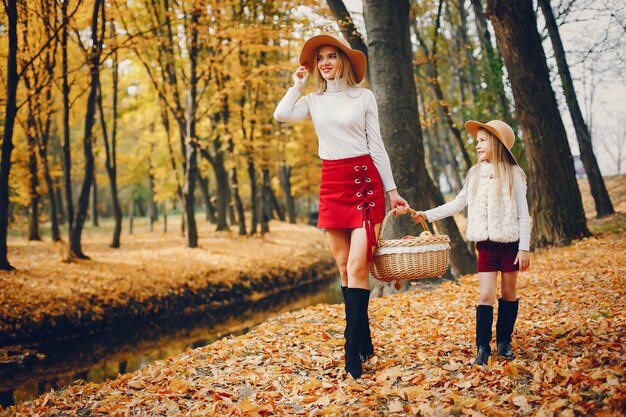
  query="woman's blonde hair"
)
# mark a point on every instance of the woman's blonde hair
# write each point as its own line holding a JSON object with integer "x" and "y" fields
{"x": 344, "y": 71}
{"x": 503, "y": 165}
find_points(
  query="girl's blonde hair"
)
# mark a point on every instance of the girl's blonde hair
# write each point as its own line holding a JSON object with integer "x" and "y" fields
{"x": 344, "y": 71}
{"x": 503, "y": 165}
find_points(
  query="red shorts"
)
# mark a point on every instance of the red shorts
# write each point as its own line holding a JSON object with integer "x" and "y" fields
{"x": 497, "y": 256}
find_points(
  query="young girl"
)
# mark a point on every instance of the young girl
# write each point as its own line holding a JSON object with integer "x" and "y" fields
{"x": 499, "y": 223}
{"x": 356, "y": 172}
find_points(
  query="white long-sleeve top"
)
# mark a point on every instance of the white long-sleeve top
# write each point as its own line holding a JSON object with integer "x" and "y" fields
{"x": 461, "y": 201}
{"x": 346, "y": 123}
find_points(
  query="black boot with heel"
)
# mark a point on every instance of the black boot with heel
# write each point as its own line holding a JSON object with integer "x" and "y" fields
{"x": 507, "y": 315}
{"x": 353, "y": 332}
{"x": 366, "y": 348}
{"x": 484, "y": 322}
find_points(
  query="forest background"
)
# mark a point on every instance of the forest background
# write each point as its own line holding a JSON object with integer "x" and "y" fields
{"x": 117, "y": 109}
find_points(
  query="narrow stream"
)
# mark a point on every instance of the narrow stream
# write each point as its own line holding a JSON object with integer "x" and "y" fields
{"x": 98, "y": 357}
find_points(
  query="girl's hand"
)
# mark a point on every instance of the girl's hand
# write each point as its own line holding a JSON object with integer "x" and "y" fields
{"x": 300, "y": 77}
{"x": 420, "y": 216}
{"x": 397, "y": 202}
{"x": 523, "y": 259}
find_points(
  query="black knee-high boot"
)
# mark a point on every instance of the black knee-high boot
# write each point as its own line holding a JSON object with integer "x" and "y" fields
{"x": 507, "y": 314}
{"x": 484, "y": 321}
{"x": 353, "y": 332}
{"x": 366, "y": 348}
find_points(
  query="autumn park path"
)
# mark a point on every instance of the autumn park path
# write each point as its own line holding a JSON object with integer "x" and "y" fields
{"x": 568, "y": 340}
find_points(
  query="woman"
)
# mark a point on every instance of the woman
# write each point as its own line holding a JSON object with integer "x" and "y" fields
{"x": 356, "y": 172}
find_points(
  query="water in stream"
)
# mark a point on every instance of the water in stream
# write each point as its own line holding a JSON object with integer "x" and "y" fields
{"x": 98, "y": 357}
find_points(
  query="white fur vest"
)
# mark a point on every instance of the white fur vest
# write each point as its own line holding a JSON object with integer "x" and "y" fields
{"x": 491, "y": 210}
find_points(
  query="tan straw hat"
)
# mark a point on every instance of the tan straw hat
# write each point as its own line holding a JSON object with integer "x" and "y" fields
{"x": 356, "y": 57}
{"x": 499, "y": 129}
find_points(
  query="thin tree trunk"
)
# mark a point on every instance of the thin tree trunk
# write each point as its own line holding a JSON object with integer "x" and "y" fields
{"x": 131, "y": 211}
{"x": 285, "y": 182}
{"x": 555, "y": 201}
{"x": 83, "y": 199}
{"x": 164, "y": 218}
{"x": 94, "y": 200}
{"x": 206, "y": 199}
{"x": 12, "y": 80}
{"x": 266, "y": 201}
{"x": 33, "y": 218}
{"x": 221, "y": 180}
{"x": 58, "y": 193}
{"x": 234, "y": 189}
{"x": 254, "y": 200}
{"x": 604, "y": 207}
{"x": 191, "y": 148}
{"x": 391, "y": 61}
{"x": 67, "y": 160}
{"x": 276, "y": 205}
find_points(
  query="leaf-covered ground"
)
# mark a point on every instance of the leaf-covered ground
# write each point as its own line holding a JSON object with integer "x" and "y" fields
{"x": 569, "y": 343}
{"x": 152, "y": 274}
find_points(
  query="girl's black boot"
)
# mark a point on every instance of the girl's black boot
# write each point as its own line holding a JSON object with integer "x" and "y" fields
{"x": 484, "y": 321}
{"x": 353, "y": 333}
{"x": 507, "y": 315}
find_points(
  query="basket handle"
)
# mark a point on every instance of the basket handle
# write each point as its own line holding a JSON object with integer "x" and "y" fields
{"x": 392, "y": 212}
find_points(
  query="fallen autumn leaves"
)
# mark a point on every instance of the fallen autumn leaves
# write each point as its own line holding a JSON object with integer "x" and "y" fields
{"x": 568, "y": 341}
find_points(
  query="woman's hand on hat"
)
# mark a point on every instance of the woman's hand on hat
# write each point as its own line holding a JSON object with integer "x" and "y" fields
{"x": 396, "y": 202}
{"x": 300, "y": 77}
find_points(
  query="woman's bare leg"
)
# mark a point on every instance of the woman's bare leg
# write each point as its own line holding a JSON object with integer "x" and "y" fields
{"x": 509, "y": 286}
{"x": 339, "y": 243}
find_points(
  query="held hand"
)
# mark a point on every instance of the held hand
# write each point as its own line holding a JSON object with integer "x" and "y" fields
{"x": 300, "y": 77}
{"x": 523, "y": 259}
{"x": 397, "y": 202}
{"x": 420, "y": 216}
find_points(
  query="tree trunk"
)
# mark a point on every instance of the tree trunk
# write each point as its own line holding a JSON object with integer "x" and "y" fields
{"x": 164, "y": 218}
{"x": 67, "y": 160}
{"x": 83, "y": 199}
{"x": 555, "y": 202}
{"x": 276, "y": 205}
{"x": 266, "y": 201}
{"x": 59, "y": 199}
{"x": 285, "y": 182}
{"x": 254, "y": 199}
{"x": 12, "y": 79}
{"x": 191, "y": 147}
{"x": 206, "y": 199}
{"x": 604, "y": 207}
{"x": 391, "y": 76}
{"x": 94, "y": 200}
{"x": 33, "y": 217}
{"x": 131, "y": 211}
{"x": 179, "y": 189}
{"x": 151, "y": 204}
{"x": 221, "y": 180}
{"x": 234, "y": 189}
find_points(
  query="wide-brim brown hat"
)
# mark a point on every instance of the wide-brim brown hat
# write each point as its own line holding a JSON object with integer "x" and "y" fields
{"x": 498, "y": 128}
{"x": 357, "y": 58}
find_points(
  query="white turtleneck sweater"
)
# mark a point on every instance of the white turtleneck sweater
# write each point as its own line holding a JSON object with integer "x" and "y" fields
{"x": 346, "y": 123}
{"x": 499, "y": 221}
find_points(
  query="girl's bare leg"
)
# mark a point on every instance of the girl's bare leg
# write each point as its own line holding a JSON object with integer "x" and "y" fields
{"x": 509, "y": 286}
{"x": 487, "y": 282}
{"x": 339, "y": 243}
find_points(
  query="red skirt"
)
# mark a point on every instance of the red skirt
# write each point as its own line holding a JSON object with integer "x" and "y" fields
{"x": 351, "y": 196}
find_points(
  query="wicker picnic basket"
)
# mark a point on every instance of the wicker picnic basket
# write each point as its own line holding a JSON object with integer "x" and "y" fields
{"x": 424, "y": 256}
